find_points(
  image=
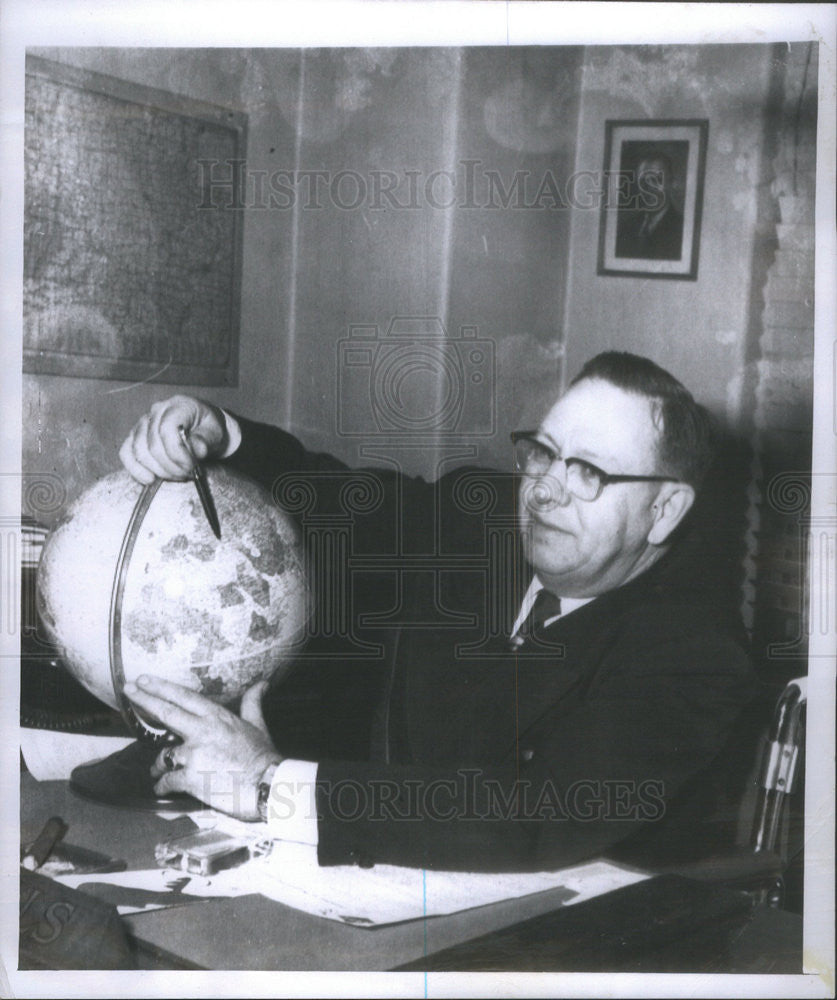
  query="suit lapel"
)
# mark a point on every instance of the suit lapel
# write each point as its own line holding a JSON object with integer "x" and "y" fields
{"x": 546, "y": 674}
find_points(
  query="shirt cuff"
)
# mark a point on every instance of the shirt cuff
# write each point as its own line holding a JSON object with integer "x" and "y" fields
{"x": 292, "y": 805}
{"x": 233, "y": 434}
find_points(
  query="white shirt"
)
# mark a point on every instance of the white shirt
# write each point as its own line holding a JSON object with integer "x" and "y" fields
{"x": 568, "y": 605}
{"x": 292, "y": 809}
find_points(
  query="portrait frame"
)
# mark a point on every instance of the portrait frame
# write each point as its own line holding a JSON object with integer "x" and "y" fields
{"x": 650, "y": 218}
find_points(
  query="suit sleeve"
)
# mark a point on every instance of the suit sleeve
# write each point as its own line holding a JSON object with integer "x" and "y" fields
{"x": 588, "y": 771}
{"x": 577, "y": 783}
{"x": 267, "y": 452}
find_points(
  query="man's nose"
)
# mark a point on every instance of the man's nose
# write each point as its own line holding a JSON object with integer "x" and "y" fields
{"x": 545, "y": 492}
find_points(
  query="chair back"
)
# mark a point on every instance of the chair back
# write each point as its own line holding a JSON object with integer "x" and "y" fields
{"x": 779, "y": 766}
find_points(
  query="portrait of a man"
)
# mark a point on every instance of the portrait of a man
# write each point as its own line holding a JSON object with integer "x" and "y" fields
{"x": 651, "y": 226}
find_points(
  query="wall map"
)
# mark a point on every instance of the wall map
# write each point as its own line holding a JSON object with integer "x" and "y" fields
{"x": 131, "y": 266}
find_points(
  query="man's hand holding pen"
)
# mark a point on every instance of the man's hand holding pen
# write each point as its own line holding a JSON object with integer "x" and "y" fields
{"x": 155, "y": 448}
{"x": 201, "y": 485}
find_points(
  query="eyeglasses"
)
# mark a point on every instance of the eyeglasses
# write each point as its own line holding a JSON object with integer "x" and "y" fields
{"x": 583, "y": 479}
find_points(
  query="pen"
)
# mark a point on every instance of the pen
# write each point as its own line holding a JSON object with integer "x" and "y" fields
{"x": 41, "y": 848}
{"x": 201, "y": 485}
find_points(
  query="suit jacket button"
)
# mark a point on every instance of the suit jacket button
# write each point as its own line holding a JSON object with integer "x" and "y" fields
{"x": 527, "y": 755}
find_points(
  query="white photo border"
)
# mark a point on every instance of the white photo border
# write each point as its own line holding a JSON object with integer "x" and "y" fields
{"x": 209, "y": 23}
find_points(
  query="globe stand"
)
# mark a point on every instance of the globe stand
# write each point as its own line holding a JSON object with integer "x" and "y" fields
{"x": 124, "y": 778}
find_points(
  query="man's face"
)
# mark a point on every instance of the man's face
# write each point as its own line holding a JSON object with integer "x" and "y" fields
{"x": 582, "y": 548}
{"x": 654, "y": 183}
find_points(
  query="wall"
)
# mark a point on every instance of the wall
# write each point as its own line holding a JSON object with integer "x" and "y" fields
{"x": 72, "y": 426}
{"x": 452, "y": 252}
{"x": 432, "y": 183}
{"x": 325, "y": 251}
{"x": 741, "y": 335}
{"x": 696, "y": 329}
{"x": 780, "y": 374}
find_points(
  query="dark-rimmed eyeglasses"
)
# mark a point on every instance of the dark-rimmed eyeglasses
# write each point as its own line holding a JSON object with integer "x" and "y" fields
{"x": 532, "y": 457}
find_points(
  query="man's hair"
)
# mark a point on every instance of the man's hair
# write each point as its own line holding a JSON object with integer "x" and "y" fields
{"x": 686, "y": 444}
{"x": 663, "y": 158}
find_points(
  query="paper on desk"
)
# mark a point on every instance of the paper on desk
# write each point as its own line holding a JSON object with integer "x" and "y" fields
{"x": 147, "y": 888}
{"x": 364, "y": 897}
{"x": 388, "y": 893}
{"x": 51, "y": 755}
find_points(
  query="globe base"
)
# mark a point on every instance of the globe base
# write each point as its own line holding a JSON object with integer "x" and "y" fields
{"x": 124, "y": 779}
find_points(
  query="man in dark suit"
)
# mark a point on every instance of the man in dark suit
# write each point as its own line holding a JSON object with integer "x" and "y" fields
{"x": 603, "y": 674}
{"x": 653, "y": 229}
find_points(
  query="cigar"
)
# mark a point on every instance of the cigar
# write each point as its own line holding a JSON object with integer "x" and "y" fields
{"x": 41, "y": 847}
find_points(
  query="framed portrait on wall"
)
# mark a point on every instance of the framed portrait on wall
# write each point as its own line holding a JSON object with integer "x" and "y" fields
{"x": 650, "y": 218}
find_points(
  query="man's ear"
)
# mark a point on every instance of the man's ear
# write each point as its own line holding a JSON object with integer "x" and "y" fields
{"x": 673, "y": 503}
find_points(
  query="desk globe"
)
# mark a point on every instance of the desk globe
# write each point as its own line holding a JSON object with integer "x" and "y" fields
{"x": 214, "y": 615}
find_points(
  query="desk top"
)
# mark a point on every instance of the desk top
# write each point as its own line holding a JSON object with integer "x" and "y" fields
{"x": 256, "y": 933}
{"x": 252, "y": 932}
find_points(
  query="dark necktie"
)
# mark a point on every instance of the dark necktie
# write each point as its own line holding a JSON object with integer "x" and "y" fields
{"x": 546, "y": 606}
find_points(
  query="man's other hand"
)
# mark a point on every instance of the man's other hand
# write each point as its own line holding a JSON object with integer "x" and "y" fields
{"x": 155, "y": 450}
{"x": 222, "y": 757}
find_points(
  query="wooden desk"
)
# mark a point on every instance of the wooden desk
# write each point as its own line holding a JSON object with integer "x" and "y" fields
{"x": 255, "y": 933}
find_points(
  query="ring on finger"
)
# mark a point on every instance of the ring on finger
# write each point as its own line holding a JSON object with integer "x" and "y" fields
{"x": 169, "y": 763}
